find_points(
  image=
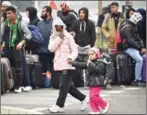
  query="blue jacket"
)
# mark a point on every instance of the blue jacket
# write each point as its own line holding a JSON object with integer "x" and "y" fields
{"x": 45, "y": 27}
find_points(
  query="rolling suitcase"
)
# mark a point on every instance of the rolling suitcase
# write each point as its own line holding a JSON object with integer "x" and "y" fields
{"x": 35, "y": 70}
{"x": 7, "y": 72}
{"x": 2, "y": 80}
{"x": 124, "y": 69}
{"x": 144, "y": 69}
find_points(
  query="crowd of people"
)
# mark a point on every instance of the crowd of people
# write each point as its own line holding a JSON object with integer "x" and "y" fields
{"x": 69, "y": 43}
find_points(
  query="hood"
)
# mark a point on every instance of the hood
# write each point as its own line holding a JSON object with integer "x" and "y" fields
{"x": 96, "y": 51}
{"x": 142, "y": 11}
{"x": 32, "y": 12}
{"x": 86, "y": 12}
{"x": 128, "y": 11}
{"x": 58, "y": 21}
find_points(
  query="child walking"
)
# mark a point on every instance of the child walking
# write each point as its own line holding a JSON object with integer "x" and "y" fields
{"x": 95, "y": 79}
{"x": 65, "y": 48}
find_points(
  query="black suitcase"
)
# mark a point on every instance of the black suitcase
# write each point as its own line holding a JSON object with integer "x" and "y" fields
{"x": 36, "y": 75}
{"x": 55, "y": 79}
{"x": 35, "y": 71}
{"x": 2, "y": 80}
{"x": 124, "y": 69}
{"x": 114, "y": 79}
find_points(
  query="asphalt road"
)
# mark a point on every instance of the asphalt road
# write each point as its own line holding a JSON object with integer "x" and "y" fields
{"x": 123, "y": 100}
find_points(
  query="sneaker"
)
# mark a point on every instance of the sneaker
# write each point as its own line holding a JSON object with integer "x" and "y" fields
{"x": 103, "y": 111}
{"x": 27, "y": 88}
{"x": 84, "y": 104}
{"x": 94, "y": 113}
{"x": 138, "y": 84}
{"x": 18, "y": 90}
{"x": 56, "y": 109}
{"x": 108, "y": 87}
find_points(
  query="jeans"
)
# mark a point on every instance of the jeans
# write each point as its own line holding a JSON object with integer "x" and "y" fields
{"x": 26, "y": 75}
{"x": 96, "y": 101}
{"x": 133, "y": 53}
{"x": 66, "y": 86}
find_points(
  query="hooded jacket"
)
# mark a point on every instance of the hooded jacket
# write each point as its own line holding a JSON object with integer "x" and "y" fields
{"x": 130, "y": 35}
{"x": 33, "y": 16}
{"x": 68, "y": 18}
{"x": 64, "y": 48}
{"x": 96, "y": 72}
{"x": 88, "y": 35}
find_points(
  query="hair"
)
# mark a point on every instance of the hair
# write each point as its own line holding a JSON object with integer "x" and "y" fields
{"x": 114, "y": 4}
{"x": 11, "y": 8}
{"x": 128, "y": 11}
{"x": 32, "y": 9}
{"x": 48, "y": 9}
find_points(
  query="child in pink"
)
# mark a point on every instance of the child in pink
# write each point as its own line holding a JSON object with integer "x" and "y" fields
{"x": 95, "y": 79}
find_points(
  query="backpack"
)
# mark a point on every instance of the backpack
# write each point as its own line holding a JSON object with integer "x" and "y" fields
{"x": 118, "y": 39}
{"x": 36, "y": 40}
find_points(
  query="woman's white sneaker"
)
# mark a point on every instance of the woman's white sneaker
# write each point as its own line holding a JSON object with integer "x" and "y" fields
{"x": 84, "y": 104}
{"x": 56, "y": 109}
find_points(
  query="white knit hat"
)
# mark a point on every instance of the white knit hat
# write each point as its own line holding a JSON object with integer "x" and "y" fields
{"x": 136, "y": 17}
{"x": 7, "y": 3}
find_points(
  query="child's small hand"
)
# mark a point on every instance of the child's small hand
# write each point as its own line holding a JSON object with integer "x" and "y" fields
{"x": 88, "y": 62}
{"x": 69, "y": 60}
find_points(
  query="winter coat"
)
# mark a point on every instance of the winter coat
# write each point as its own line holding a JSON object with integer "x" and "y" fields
{"x": 64, "y": 48}
{"x": 109, "y": 29}
{"x": 88, "y": 36}
{"x": 45, "y": 27}
{"x": 129, "y": 34}
{"x": 96, "y": 71}
{"x": 68, "y": 18}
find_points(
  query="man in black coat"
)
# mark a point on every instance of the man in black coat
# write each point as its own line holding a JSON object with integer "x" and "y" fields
{"x": 85, "y": 34}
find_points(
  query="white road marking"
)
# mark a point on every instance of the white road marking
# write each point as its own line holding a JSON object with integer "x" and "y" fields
{"x": 132, "y": 88}
{"x": 43, "y": 109}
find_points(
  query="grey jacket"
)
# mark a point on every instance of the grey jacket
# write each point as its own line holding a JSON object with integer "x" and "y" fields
{"x": 24, "y": 28}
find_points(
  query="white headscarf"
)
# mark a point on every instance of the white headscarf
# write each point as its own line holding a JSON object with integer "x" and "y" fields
{"x": 136, "y": 17}
{"x": 7, "y": 3}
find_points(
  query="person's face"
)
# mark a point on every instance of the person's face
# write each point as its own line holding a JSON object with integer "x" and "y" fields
{"x": 64, "y": 8}
{"x": 11, "y": 15}
{"x": 44, "y": 13}
{"x": 59, "y": 28}
{"x": 92, "y": 55}
{"x": 114, "y": 9}
{"x": 27, "y": 13}
{"x": 82, "y": 15}
{"x": 3, "y": 8}
{"x": 131, "y": 13}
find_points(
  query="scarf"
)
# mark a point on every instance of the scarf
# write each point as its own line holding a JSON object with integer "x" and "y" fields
{"x": 13, "y": 28}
